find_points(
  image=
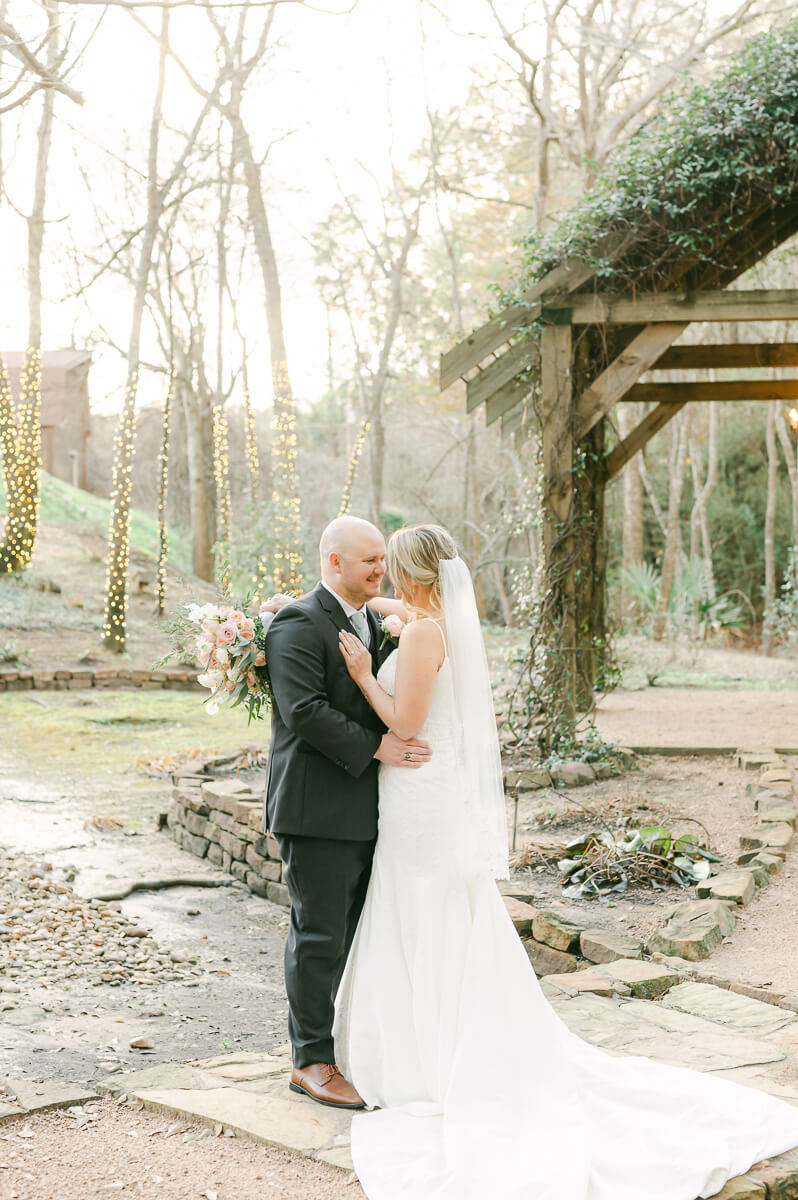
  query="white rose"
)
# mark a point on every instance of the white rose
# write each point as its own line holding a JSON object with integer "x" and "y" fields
{"x": 210, "y": 680}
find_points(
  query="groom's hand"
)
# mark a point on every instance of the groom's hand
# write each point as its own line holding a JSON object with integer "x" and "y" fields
{"x": 395, "y": 752}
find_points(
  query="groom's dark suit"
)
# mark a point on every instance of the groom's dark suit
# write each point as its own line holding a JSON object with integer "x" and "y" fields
{"x": 321, "y": 803}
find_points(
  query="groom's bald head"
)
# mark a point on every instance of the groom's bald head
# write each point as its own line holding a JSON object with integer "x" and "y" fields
{"x": 352, "y": 553}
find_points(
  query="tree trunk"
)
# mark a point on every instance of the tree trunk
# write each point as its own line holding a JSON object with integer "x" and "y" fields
{"x": 286, "y": 568}
{"x": 22, "y": 431}
{"x": 115, "y": 624}
{"x": 163, "y": 485}
{"x": 703, "y": 489}
{"x": 632, "y": 546}
{"x": 201, "y": 538}
{"x": 680, "y": 438}
{"x": 770, "y": 525}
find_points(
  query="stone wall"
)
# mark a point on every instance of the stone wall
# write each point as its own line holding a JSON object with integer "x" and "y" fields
{"x": 104, "y": 677}
{"x": 220, "y": 819}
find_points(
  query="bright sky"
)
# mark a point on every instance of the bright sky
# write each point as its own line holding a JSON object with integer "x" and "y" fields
{"x": 346, "y": 87}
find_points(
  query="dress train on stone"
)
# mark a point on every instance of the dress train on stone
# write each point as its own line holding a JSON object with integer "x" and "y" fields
{"x": 482, "y": 1090}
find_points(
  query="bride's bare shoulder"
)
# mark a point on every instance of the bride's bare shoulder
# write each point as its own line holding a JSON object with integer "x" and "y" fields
{"x": 422, "y": 639}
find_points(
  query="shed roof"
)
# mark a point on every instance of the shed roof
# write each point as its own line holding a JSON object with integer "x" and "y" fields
{"x": 704, "y": 190}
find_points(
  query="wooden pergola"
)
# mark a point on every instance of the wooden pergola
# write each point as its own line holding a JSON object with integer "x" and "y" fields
{"x": 569, "y": 351}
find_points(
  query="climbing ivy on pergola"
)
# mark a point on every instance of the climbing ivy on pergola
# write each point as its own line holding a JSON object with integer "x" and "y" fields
{"x": 704, "y": 191}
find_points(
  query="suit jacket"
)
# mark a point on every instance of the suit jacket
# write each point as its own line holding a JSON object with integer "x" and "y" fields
{"x": 322, "y": 772}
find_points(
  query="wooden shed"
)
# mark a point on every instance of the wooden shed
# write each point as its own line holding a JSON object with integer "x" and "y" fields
{"x": 64, "y": 412}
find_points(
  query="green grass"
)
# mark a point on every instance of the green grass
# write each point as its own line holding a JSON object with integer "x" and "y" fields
{"x": 62, "y": 504}
{"x": 102, "y": 733}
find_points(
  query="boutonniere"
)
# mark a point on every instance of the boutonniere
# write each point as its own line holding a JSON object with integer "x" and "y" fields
{"x": 391, "y": 627}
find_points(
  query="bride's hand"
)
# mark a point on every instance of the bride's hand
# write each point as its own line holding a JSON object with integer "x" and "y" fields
{"x": 356, "y": 656}
{"x": 275, "y": 603}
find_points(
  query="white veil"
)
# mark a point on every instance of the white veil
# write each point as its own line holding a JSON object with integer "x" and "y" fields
{"x": 479, "y": 749}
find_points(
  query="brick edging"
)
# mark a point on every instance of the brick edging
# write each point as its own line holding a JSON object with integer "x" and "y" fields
{"x": 104, "y": 677}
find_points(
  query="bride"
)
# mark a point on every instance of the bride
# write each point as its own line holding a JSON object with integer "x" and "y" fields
{"x": 440, "y": 1024}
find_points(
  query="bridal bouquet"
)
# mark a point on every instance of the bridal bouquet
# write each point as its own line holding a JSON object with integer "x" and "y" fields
{"x": 230, "y": 647}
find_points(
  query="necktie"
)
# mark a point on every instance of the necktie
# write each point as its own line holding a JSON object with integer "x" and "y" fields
{"x": 360, "y": 624}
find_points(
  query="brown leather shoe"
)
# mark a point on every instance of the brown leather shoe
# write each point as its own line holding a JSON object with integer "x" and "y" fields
{"x": 325, "y": 1084}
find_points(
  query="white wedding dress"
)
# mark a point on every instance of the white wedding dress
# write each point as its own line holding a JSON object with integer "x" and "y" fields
{"x": 483, "y": 1091}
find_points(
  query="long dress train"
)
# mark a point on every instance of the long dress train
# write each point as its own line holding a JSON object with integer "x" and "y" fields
{"x": 482, "y": 1089}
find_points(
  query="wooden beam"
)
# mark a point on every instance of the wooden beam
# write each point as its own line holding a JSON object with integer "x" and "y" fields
{"x": 640, "y": 435}
{"x": 469, "y": 352}
{"x": 729, "y": 355}
{"x": 518, "y": 358}
{"x": 513, "y": 393}
{"x": 737, "y": 389}
{"x": 774, "y": 304}
{"x": 621, "y": 374}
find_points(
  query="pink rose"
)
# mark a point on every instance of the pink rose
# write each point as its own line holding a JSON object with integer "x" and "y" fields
{"x": 226, "y": 633}
{"x": 393, "y": 624}
{"x": 246, "y": 628}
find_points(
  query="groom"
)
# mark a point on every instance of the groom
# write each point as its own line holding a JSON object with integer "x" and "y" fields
{"x": 321, "y": 795}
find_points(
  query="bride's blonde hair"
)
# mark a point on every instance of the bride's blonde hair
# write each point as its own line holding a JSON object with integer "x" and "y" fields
{"x": 414, "y": 555}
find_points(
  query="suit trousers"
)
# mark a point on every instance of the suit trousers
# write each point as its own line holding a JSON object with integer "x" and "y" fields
{"x": 327, "y": 881}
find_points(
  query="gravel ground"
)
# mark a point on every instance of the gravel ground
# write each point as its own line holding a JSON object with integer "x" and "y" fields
{"x": 104, "y": 1149}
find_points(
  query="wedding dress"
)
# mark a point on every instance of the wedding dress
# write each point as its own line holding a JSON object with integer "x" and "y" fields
{"x": 482, "y": 1089}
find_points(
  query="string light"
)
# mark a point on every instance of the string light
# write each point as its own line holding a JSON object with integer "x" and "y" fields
{"x": 287, "y": 555}
{"x": 346, "y": 498}
{"x": 21, "y": 445}
{"x": 163, "y": 484}
{"x": 221, "y": 476}
{"x": 251, "y": 446}
{"x": 115, "y": 620}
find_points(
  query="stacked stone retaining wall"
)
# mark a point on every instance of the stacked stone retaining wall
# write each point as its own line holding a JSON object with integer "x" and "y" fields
{"x": 221, "y": 820}
{"x": 103, "y": 677}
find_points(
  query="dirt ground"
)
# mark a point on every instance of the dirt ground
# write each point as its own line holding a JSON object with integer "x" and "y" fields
{"x": 671, "y": 716}
{"x": 704, "y": 796}
{"x": 124, "y": 1151}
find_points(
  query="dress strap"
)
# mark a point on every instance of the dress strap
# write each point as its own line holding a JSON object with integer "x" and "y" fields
{"x": 435, "y": 621}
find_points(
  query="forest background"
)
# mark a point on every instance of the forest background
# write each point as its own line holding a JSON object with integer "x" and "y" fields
{"x": 267, "y": 219}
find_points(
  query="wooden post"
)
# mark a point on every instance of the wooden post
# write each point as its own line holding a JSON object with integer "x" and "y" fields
{"x": 559, "y": 600}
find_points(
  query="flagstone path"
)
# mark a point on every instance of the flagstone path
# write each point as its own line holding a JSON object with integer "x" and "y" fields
{"x": 693, "y": 1025}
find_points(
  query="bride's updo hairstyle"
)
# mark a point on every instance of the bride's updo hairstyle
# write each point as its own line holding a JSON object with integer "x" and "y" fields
{"x": 414, "y": 555}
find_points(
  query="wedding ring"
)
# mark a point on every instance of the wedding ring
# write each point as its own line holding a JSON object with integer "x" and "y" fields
{"x": 408, "y": 757}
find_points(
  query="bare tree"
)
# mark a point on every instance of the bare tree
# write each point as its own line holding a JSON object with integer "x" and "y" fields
{"x": 21, "y": 440}
{"x": 589, "y": 70}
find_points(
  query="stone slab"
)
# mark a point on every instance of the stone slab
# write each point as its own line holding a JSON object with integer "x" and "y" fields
{"x": 295, "y": 1123}
{"x": 592, "y": 979}
{"x": 693, "y": 929}
{"x": 32, "y": 1096}
{"x": 603, "y": 945}
{"x": 742, "y": 1188}
{"x": 264, "y": 1068}
{"x": 738, "y": 886}
{"x": 646, "y": 980}
{"x": 766, "y": 836}
{"x": 548, "y": 961}
{"x": 162, "y": 1075}
{"x": 556, "y": 931}
{"x": 779, "y": 1175}
{"x": 725, "y": 1007}
{"x": 666, "y": 1035}
{"x": 522, "y": 915}
{"x": 9, "y": 1111}
{"x": 518, "y": 891}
